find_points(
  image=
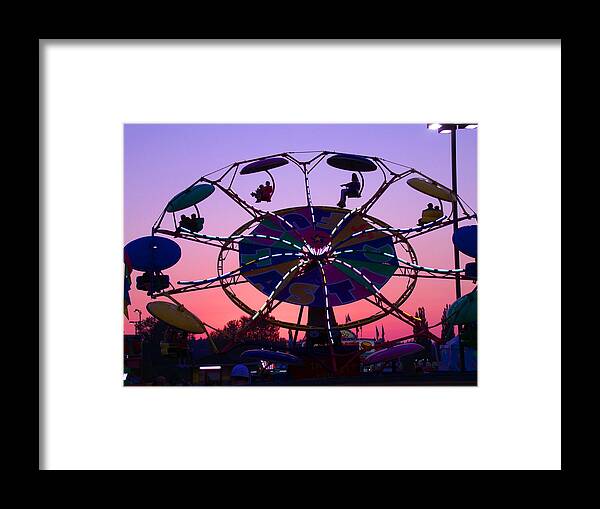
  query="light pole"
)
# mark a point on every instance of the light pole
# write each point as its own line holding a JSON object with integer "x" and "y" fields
{"x": 136, "y": 325}
{"x": 451, "y": 129}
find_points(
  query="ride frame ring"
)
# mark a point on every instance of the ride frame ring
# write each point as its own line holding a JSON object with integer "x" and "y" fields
{"x": 398, "y": 239}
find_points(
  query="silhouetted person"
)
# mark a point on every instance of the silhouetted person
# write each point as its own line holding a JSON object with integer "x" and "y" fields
{"x": 352, "y": 190}
{"x": 184, "y": 221}
{"x": 430, "y": 214}
{"x": 240, "y": 375}
{"x": 267, "y": 191}
{"x": 196, "y": 223}
{"x": 258, "y": 194}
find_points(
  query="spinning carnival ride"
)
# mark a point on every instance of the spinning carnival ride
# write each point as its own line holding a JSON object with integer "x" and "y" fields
{"x": 312, "y": 256}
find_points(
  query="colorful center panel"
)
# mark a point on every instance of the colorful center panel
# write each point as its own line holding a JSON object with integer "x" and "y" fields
{"x": 282, "y": 255}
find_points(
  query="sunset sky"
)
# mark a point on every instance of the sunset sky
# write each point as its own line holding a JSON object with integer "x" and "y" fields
{"x": 161, "y": 160}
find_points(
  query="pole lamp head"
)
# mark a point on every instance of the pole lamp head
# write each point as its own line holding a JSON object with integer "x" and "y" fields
{"x": 447, "y": 128}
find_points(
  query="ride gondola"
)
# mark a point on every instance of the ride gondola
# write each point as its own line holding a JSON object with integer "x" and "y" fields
{"x": 264, "y": 192}
{"x": 357, "y": 165}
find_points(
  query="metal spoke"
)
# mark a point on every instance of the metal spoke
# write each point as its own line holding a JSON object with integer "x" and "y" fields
{"x": 412, "y": 265}
{"x": 209, "y": 286}
{"x": 378, "y": 303}
{"x": 401, "y": 230}
{"x": 278, "y": 287}
{"x": 270, "y": 298}
{"x": 369, "y": 284}
{"x": 340, "y": 222}
{"x": 308, "y": 198}
{"x": 286, "y": 222}
{"x": 237, "y": 238}
{"x": 390, "y": 229}
{"x": 239, "y": 269}
{"x": 326, "y": 302}
{"x": 206, "y": 242}
{"x": 378, "y": 194}
{"x": 253, "y": 211}
{"x": 434, "y": 228}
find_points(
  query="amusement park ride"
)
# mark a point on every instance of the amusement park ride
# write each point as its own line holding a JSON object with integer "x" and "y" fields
{"x": 314, "y": 257}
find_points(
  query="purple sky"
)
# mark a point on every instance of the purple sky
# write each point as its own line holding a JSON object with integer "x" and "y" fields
{"x": 161, "y": 160}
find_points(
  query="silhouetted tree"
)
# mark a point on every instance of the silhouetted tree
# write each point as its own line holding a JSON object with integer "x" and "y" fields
{"x": 421, "y": 329}
{"x": 468, "y": 332}
{"x": 422, "y": 337}
{"x": 153, "y": 330}
{"x": 246, "y": 329}
{"x": 447, "y": 328}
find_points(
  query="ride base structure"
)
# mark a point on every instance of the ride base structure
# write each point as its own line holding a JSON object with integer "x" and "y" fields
{"x": 313, "y": 257}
